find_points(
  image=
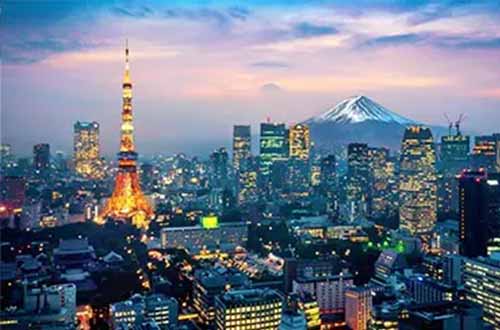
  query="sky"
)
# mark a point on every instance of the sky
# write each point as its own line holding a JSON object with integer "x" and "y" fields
{"x": 199, "y": 67}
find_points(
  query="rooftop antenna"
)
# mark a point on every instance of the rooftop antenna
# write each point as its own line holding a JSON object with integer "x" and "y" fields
{"x": 450, "y": 123}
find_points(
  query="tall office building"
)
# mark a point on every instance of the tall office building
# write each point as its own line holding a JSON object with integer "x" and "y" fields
{"x": 481, "y": 282}
{"x": 86, "y": 149}
{"x": 299, "y": 167}
{"x": 247, "y": 181}
{"x": 383, "y": 182}
{"x": 358, "y": 179}
{"x": 273, "y": 147}
{"x": 329, "y": 185}
{"x": 242, "y": 145}
{"x": 41, "y": 158}
{"x": 219, "y": 161}
{"x": 248, "y": 309}
{"x": 358, "y": 307}
{"x": 128, "y": 201}
{"x": 300, "y": 142}
{"x": 273, "y": 152}
{"x": 417, "y": 181}
{"x": 479, "y": 212}
{"x": 454, "y": 157}
{"x": 455, "y": 151}
{"x": 484, "y": 152}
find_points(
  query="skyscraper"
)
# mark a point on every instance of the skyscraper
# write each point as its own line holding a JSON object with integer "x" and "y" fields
{"x": 382, "y": 174}
{"x": 417, "y": 181}
{"x": 242, "y": 145}
{"x": 299, "y": 151}
{"x": 273, "y": 147}
{"x": 484, "y": 152}
{"x": 219, "y": 166}
{"x": 86, "y": 149}
{"x": 300, "y": 142}
{"x": 247, "y": 181}
{"x": 358, "y": 179}
{"x": 128, "y": 201}
{"x": 454, "y": 158}
{"x": 329, "y": 185}
{"x": 479, "y": 212}
{"x": 41, "y": 158}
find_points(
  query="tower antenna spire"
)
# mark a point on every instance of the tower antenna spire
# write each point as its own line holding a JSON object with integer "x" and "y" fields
{"x": 126, "y": 50}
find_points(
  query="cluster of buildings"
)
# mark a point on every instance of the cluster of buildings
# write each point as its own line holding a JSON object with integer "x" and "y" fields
{"x": 200, "y": 219}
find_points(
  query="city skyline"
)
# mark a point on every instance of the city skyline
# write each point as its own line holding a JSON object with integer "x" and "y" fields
{"x": 272, "y": 165}
{"x": 256, "y": 64}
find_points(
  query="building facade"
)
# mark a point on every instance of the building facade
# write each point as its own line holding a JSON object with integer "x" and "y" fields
{"x": 358, "y": 179}
{"x": 479, "y": 212}
{"x": 41, "y": 158}
{"x": 481, "y": 282}
{"x": 242, "y": 145}
{"x": 418, "y": 181}
{"x": 358, "y": 307}
{"x": 86, "y": 149}
{"x": 273, "y": 147}
{"x": 249, "y": 309}
{"x": 299, "y": 152}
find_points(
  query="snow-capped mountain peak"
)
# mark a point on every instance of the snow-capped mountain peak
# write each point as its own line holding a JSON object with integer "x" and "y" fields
{"x": 358, "y": 109}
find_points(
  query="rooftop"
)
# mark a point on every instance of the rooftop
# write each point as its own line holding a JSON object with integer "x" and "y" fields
{"x": 250, "y": 296}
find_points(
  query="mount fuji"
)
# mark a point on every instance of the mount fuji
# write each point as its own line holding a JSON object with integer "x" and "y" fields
{"x": 358, "y": 119}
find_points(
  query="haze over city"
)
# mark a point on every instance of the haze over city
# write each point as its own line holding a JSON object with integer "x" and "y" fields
{"x": 201, "y": 66}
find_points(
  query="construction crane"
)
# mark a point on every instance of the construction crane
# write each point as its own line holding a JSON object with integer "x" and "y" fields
{"x": 450, "y": 123}
{"x": 458, "y": 122}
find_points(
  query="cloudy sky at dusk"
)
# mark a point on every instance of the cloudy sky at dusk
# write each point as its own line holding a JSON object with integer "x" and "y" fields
{"x": 199, "y": 67}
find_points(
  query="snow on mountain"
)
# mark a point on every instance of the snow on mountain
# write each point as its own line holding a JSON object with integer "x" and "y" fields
{"x": 359, "y": 109}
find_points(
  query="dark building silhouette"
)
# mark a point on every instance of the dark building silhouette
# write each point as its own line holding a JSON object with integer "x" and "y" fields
{"x": 479, "y": 211}
{"x": 41, "y": 157}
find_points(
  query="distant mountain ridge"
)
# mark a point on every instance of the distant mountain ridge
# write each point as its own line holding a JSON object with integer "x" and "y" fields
{"x": 360, "y": 119}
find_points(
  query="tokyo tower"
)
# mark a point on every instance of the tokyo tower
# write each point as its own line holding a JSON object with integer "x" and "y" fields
{"x": 127, "y": 202}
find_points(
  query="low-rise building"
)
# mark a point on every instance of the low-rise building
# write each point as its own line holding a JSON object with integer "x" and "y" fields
{"x": 249, "y": 309}
{"x": 225, "y": 237}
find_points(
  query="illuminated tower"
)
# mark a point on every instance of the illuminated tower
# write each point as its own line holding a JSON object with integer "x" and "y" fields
{"x": 128, "y": 201}
{"x": 417, "y": 181}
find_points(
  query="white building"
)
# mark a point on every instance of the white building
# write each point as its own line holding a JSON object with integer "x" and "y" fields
{"x": 328, "y": 289}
